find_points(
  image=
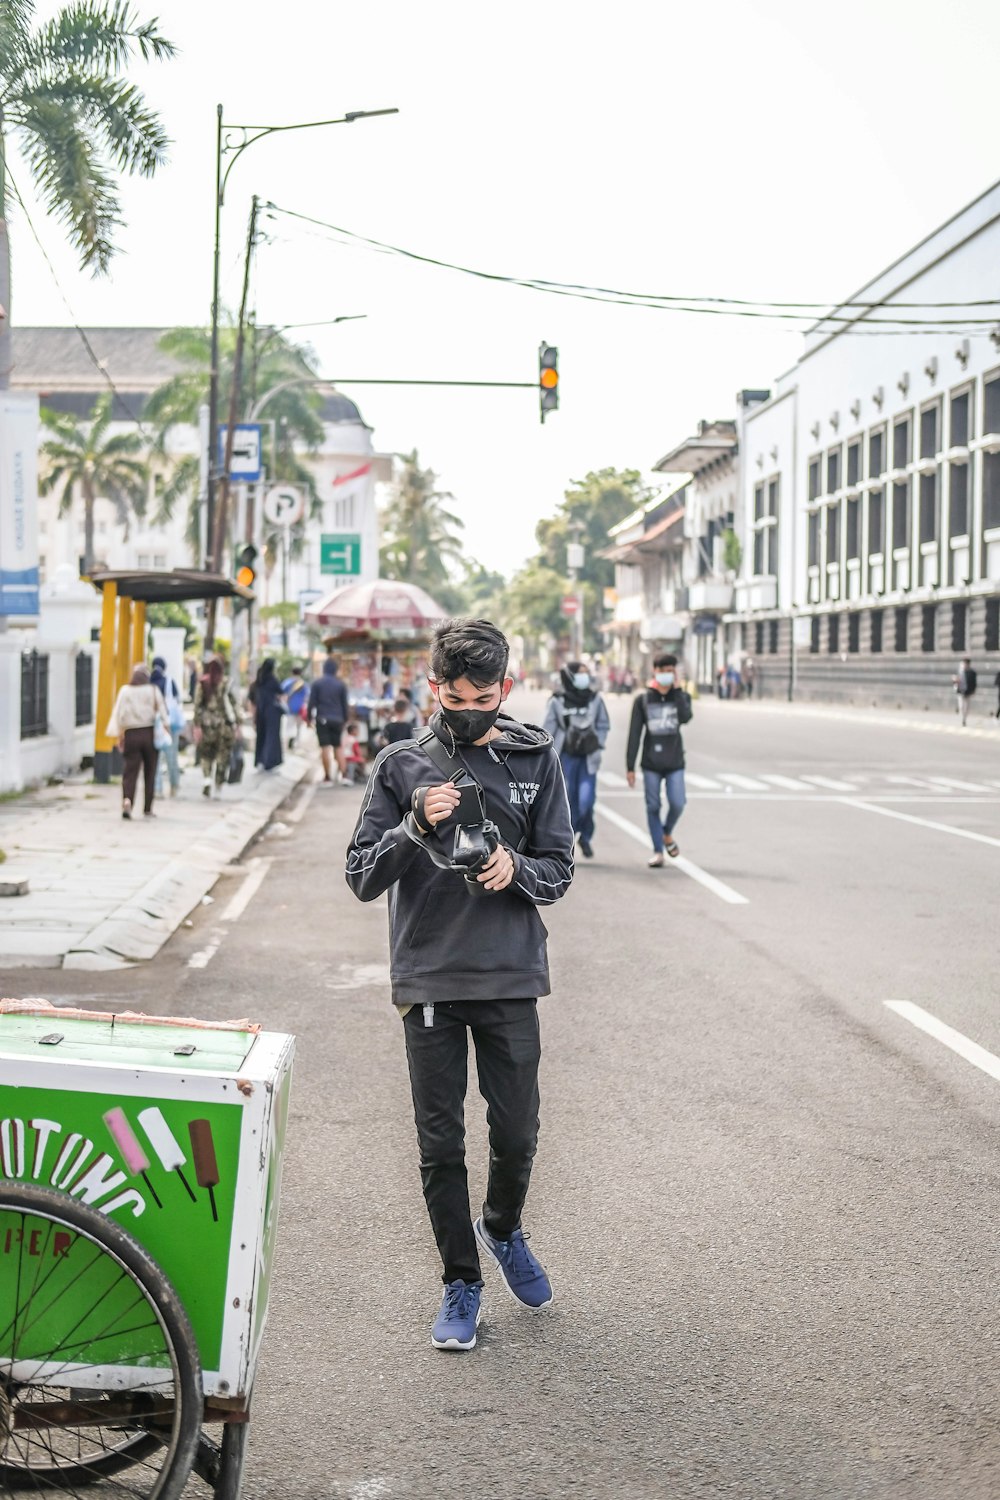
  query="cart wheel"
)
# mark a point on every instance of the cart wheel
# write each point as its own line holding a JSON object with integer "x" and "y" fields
{"x": 234, "y": 1452}
{"x": 99, "y": 1369}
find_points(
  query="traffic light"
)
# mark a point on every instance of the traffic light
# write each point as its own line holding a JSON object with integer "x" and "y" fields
{"x": 245, "y": 567}
{"x": 548, "y": 379}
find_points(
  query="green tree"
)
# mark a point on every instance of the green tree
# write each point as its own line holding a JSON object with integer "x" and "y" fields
{"x": 533, "y": 602}
{"x": 172, "y": 614}
{"x": 76, "y": 122}
{"x": 420, "y": 545}
{"x": 279, "y": 378}
{"x": 89, "y": 457}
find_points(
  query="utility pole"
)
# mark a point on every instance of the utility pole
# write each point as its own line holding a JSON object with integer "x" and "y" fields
{"x": 218, "y": 539}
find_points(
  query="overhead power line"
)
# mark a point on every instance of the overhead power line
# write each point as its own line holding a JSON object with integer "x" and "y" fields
{"x": 809, "y": 312}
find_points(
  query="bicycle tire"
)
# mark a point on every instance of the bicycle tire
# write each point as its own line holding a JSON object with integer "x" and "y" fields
{"x": 115, "y": 1242}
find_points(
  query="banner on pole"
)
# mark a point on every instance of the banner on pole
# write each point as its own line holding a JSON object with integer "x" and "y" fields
{"x": 18, "y": 503}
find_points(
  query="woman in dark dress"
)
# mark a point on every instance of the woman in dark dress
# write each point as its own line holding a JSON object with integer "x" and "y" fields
{"x": 268, "y": 708}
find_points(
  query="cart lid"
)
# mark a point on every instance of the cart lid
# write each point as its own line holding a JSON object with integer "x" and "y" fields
{"x": 43, "y": 1030}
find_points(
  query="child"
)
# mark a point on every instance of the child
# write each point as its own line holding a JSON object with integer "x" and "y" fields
{"x": 354, "y": 761}
{"x": 402, "y": 725}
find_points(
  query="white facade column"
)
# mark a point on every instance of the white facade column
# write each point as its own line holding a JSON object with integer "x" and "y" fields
{"x": 11, "y": 779}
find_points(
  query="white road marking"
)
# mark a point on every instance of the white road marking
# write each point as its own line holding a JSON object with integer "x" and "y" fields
{"x": 257, "y": 871}
{"x": 971, "y": 1051}
{"x": 923, "y": 784}
{"x": 702, "y": 783}
{"x": 889, "y": 812}
{"x": 788, "y": 782}
{"x": 960, "y": 786}
{"x": 204, "y": 956}
{"x": 745, "y": 783}
{"x": 832, "y": 783}
{"x": 611, "y": 778}
{"x": 686, "y": 866}
{"x": 295, "y": 816}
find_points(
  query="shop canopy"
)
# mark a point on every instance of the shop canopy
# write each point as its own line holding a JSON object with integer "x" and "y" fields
{"x": 156, "y": 586}
{"x": 385, "y": 609}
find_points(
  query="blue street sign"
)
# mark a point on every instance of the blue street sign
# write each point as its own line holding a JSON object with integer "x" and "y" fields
{"x": 247, "y": 462}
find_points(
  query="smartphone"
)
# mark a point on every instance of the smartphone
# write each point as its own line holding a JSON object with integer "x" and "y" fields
{"x": 470, "y": 808}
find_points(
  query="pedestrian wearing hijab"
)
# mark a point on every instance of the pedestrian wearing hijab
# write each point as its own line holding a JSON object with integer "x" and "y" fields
{"x": 138, "y": 709}
{"x": 169, "y": 754}
{"x": 216, "y": 721}
{"x": 577, "y": 719}
{"x": 269, "y": 706}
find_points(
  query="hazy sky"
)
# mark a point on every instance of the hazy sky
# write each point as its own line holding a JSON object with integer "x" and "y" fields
{"x": 751, "y": 148}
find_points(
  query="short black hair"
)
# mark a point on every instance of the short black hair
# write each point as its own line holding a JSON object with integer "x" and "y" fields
{"x": 401, "y": 706}
{"x": 474, "y": 649}
{"x": 575, "y": 666}
{"x": 665, "y": 659}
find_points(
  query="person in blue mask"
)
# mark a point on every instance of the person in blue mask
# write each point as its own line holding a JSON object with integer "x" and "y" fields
{"x": 657, "y": 715}
{"x": 577, "y": 719}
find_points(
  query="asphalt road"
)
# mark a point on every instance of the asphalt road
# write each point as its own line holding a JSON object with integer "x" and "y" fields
{"x": 767, "y": 1201}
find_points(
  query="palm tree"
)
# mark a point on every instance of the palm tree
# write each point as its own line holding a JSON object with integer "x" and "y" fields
{"x": 420, "y": 540}
{"x": 76, "y": 122}
{"x": 88, "y": 457}
{"x": 274, "y": 364}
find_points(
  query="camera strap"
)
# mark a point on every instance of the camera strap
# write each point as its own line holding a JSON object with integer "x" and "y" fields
{"x": 450, "y": 766}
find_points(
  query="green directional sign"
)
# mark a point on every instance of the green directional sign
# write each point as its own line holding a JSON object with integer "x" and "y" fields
{"x": 340, "y": 553}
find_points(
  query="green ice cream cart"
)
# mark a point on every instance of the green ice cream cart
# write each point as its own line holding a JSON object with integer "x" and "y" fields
{"x": 140, "y": 1167}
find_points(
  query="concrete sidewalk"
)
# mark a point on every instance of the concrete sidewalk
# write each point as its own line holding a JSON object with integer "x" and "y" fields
{"x": 105, "y": 893}
{"x": 982, "y": 725}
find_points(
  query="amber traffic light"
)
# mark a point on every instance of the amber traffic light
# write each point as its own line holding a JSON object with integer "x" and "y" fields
{"x": 246, "y": 571}
{"x": 548, "y": 379}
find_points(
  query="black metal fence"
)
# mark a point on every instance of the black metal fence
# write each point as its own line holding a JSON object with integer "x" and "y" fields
{"x": 84, "y": 688}
{"x": 34, "y": 695}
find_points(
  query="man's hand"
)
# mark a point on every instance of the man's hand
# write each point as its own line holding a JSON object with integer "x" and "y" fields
{"x": 440, "y": 802}
{"x": 630, "y": 777}
{"x": 499, "y": 873}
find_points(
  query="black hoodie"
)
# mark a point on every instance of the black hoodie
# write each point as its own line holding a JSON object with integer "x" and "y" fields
{"x": 447, "y": 943}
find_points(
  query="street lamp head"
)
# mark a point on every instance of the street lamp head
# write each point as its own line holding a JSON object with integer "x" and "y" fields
{"x": 367, "y": 114}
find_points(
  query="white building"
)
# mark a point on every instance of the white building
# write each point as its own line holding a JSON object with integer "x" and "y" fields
{"x": 647, "y": 549}
{"x": 869, "y": 506}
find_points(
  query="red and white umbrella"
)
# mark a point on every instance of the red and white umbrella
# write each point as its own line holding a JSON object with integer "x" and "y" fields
{"x": 383, "y": 606}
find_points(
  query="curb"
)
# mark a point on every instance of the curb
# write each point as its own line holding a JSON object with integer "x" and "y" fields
{"x": 137, "y": 930}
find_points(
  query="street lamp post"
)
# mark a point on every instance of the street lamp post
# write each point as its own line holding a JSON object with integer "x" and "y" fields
{"x": 231, "y": 141}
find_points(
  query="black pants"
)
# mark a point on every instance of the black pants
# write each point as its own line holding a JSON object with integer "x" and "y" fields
{"x": 506, "y": 1037}
{"x": 140, "y": 750}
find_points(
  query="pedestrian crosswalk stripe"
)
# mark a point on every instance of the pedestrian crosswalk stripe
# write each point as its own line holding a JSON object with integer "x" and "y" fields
{"x": 831, "y": 783}
{"x": 788, "y": 782}
{"x": 702, "y": 783}
{"x": 924, "y": 785}
{"x": 745, "y": 783}
{"x": 960, "y": 786}
{"x": 611, "y": 778}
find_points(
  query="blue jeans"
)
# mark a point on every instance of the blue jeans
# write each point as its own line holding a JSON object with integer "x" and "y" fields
{"x": 581, "y": 788}
{"x": 168, "y": 757}
{"x": 676, "y": 800}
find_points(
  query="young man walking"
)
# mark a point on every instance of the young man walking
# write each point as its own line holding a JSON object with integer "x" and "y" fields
{"x": 577, "y": 719}
{"x": 657, "y": 716}
{"x": 329, "y": 711}
{"x": 468, "y": 830}
{"x": 965, "y": 687}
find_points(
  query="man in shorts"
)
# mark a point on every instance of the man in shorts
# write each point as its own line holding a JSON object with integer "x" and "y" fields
{"x": 329, "y": 711}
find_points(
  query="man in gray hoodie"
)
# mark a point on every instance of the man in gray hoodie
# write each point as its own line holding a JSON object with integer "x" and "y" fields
{"x": 467, "y": 828}
{"x": 329, "y": 710}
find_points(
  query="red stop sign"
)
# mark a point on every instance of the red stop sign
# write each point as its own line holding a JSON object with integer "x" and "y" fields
{"x": 570, "y": 604}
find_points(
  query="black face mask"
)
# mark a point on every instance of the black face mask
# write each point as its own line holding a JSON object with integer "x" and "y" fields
{"x": 470, "y": 724}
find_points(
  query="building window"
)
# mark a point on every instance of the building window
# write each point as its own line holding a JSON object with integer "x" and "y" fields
{"x": 853, "y": 529}
{"x": 758, "y": 502}
{"x": 958, "y": 500}
{"x": 833, "y": 534}
{"x": 928, "y": 627}
{"x": 959, "y": 625}
{"x": 901, "y": 514}
{"x": 833, "y": 471}
{"x": 876, "y": 454}
{"x": 84, "y": 688}
{"x": 814, "y": 468}
{"x": 759, "y": 637}
{"x": 991, "y": 405}
{"x": 854, "y": 462}
{"x": 159, "y": 560}
{"x": 34, "y": 695}
{"x": 814, "y": 634}
{"x": 960, "y": 430}
{"x": 833, "y": 636}
{"x": 928, "y": 507}
{"x": 991, "y": 491}
{"x": 814, "y": 539}
{"x": 902, "y": 620}
{"x": 876, "y": 623}
{"x": 929, "y": 419}
{"x": 854, "y": 632}
{"x": 142, "y": 560}
{"x": 772, "y": 632}
{"x": 772, "y": 497}
{"x": 991, "y": 637}
{"x": 876, "y": 523}
{"x": 901, "y": 444}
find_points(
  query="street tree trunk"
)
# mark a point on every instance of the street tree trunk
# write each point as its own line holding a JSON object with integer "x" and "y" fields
{"x": 88, "y": 526}
{"x": 6, "y": 338}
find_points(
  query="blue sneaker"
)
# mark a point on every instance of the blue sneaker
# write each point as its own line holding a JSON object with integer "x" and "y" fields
{"x": 456, "y": 1323}
{"x": 522, "y": 1274}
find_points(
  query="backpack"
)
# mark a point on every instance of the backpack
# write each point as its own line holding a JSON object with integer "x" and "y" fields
{"x": 581, "y": 736}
